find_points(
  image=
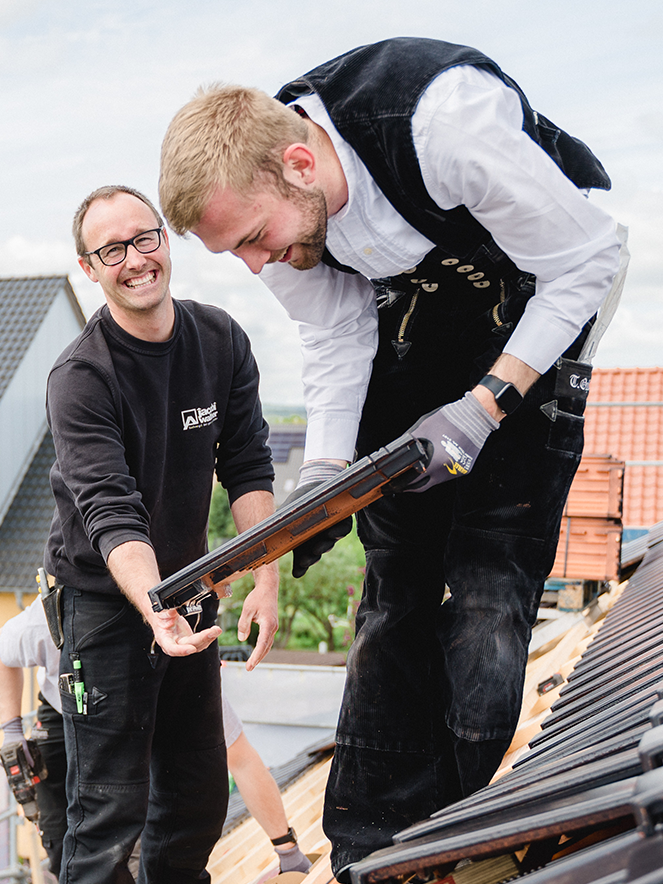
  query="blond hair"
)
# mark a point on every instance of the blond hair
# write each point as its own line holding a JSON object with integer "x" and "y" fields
{"x": 226, "y": 136}
{"x": 104, "y": 193}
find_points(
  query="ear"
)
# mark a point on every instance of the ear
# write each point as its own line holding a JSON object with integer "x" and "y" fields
{"x": 299, "y": 164}
{"x": 88, "y": 270}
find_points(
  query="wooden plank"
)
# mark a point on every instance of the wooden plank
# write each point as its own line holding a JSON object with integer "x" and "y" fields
{"x": 246, "y": 854}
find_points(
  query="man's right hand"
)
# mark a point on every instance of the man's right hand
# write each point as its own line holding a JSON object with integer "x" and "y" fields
{"x": 134, "y": 568}
{"x": 175, "y": 637}
{"x": 14, "y": 734}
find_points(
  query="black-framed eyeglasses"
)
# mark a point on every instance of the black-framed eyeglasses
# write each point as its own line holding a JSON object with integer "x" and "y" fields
{"x": 115, "y": 252}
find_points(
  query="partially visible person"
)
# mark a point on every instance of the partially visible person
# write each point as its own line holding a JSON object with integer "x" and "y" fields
{"x": 25, "y": 642}
{"x": 152, "y": 398}
{"x": 260, "y": 793}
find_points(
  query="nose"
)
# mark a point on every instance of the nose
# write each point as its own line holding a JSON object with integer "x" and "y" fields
{"x": 255, "y": 258}
{"x": 134, "y": 258}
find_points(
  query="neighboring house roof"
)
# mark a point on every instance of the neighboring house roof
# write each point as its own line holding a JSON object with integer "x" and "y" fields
{"x": 24, "y": 530}
{"x": 284, "y": 437}
{"x": 24, "y": 303}
{"x": 624, "y": 418}
{"x": 287, "y": 443}
{"x": 39, "y": 316}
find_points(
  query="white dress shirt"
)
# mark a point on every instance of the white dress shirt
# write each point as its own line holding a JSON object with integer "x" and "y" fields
{"x": 467, "y": 131}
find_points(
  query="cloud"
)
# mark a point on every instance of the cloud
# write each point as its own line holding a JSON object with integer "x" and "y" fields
{"x": 85, "y": 100}
{"x": 12, "y": 11}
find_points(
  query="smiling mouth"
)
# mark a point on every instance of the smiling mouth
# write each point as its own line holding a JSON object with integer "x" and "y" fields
{"x": 286, "y": 256}
{"x": 139, "y": 281}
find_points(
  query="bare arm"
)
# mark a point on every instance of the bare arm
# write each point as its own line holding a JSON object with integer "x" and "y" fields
{"x": 257, "y": 786}
{"x": 261, "y": 604}
{"x": 11, "y": 692}
{"x": 133, "y": 566}
{"x": 507, "y": 368}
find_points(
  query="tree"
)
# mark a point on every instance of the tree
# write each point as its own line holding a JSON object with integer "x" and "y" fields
{"x": 221, "y": 525}
{"x": 321, "y": 604}
{"x": 323, "y": 601}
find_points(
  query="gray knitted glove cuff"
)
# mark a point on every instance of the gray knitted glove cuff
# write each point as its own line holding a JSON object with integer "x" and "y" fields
{"x": 317, "y": 471}
{"x": 469, "y": 415}
{"x": 13, "y": 730}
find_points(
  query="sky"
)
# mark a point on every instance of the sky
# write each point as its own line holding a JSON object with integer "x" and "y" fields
{"x": 87, "y": 91}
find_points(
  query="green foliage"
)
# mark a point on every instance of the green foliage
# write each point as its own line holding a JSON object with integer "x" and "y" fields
{"x": 284, "y": 414}
{"x": 221, "y": 525}
{"x": 320, "y": 606}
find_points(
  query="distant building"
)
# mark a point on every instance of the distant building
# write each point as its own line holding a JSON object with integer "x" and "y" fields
{"x": 287, "y": 444}
{"x": 39, "y": 316}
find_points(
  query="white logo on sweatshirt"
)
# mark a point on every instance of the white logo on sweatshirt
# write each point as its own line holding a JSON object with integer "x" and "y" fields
{"x": 193, "y": 418}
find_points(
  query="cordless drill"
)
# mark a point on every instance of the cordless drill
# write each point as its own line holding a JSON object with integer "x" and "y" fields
{"x": 23, "y": 776}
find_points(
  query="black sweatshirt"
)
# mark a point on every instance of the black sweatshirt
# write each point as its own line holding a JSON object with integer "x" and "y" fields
{"x": 139, "y": 428}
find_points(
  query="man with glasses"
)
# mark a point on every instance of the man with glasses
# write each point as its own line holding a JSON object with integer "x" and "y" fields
{"x": 145, "y": 405}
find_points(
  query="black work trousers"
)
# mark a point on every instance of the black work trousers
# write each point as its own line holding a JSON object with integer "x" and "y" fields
{"x": 51, "y": 796}
{"x": 147, "y": 757}
{"x": 434, "y": 688}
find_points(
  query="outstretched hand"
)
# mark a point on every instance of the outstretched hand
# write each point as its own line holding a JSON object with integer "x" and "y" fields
{"x": 175, "y": 637}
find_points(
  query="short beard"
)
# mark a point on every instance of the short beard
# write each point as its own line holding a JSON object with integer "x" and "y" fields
{"x": 314, "y": 214}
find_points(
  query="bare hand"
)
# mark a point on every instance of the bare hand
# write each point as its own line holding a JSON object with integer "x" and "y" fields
{"x": 261, "y": 607}
{"x": 175, "y": 637}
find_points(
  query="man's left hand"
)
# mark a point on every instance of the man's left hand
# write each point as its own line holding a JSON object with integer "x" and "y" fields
{"x": 454, "y": 435}
{"x": 261, "y": 607}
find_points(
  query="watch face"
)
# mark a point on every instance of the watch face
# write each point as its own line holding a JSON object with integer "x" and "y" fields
{"x": 508, "y": 398}
{"x": 506, "y": 395}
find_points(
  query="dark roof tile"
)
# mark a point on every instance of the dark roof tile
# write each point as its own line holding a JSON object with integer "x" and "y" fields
{"x": 23, "y": 304}
{"x": 25, "y": 528}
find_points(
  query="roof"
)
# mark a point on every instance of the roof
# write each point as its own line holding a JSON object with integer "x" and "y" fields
{"x": 583, "y": 804}
{"x": 25, "y": 528}
{"x": 24, "y": 303}
{"x": 283, "y": 437}
{"x": 624, "y": 418}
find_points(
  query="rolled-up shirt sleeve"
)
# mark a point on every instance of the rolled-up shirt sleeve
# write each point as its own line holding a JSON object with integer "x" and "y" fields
{"x": 337, "y": 318}
{"x": 473, "y": 152}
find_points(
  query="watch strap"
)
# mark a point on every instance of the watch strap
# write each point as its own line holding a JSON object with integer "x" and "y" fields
{"x": 506, "y": 395}
{"x": 290, "y": 835}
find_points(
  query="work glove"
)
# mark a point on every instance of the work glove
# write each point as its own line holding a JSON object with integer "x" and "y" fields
{"x": 23, "y": 765}
{"x": 312, "y": 474}
{"x": 14, "y": 734}
{"x": 453, "y": 436}
{"x": 292, "y": 860}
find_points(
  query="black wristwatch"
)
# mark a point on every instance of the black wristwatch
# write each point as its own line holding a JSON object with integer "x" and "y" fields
{"x": 290, "y": 835}
{"x": 506, "y": 395}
